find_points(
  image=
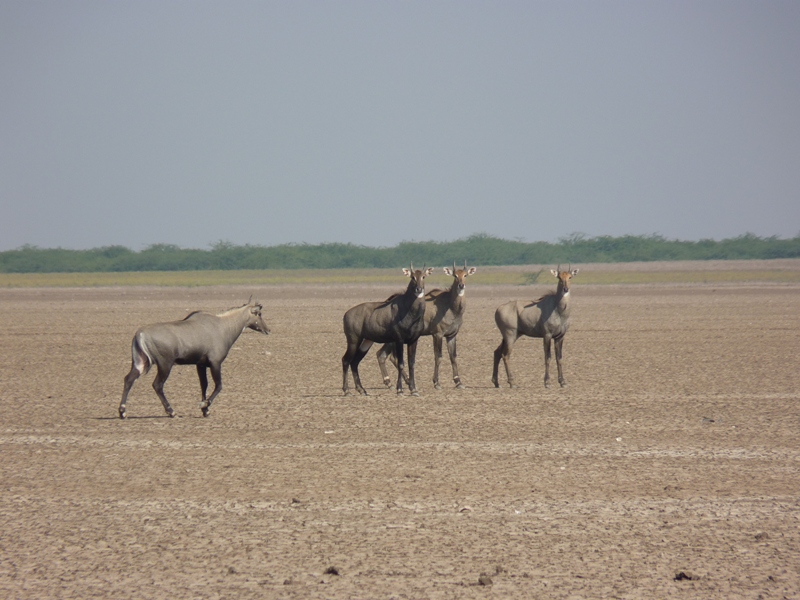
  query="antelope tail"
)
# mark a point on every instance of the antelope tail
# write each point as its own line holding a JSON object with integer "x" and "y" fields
{"x": 140, "y": 355}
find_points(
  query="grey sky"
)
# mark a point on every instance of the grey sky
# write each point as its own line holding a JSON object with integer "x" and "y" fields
{"x": 263, "y": 123}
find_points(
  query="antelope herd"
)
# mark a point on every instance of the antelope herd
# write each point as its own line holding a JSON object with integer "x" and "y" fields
{"x": 204, "y": 340}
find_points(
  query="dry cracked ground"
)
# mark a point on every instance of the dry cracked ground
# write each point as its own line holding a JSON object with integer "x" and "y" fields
{"x": 669, "y": 467}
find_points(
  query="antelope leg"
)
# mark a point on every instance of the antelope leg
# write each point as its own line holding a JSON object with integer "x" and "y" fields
{"x": 158, "y": 386}
{"x": 412, "y": 356}
{"x": 385, "y": 351}
{"x": 398, "y": 354}
{"x": 451, "y": 348}
{"x": 437, "y": 358}
{"x": 546, "y": 361}
{"x": 558, "y": 344}
{"x": 130, "y": 378}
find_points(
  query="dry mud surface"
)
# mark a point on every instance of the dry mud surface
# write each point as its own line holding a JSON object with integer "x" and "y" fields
{"x": 669, "y": 467}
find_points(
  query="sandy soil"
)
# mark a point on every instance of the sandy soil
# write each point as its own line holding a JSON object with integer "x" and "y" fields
{"x": 669, "y": 467}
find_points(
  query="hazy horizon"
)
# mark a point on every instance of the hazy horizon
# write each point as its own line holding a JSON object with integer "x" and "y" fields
{"x": 213, "y": 245}
{"x": 373, "y": 123}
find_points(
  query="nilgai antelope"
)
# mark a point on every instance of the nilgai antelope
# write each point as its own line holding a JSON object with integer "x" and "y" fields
{"x": 547, "y": 318}
{"x": 398, "y": 320}
{"x": 200, "y": 339}
{"x": 444, "y": 311}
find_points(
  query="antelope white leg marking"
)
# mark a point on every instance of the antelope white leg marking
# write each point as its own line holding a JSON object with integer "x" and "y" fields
{"x": 365, "y": 345}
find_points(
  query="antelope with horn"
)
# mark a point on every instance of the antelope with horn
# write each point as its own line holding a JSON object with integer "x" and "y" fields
{"x": 546, "y": 318}
{"x": 397, "y": 320}
{"x": 444, "y": 312}
{"x": 201, "y": 339}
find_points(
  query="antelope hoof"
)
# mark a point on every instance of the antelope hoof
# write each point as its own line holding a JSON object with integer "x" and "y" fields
{"x": 122, "y": 413}
{"x": 415, "y": 393}
{"x": 563, "y": 384}
{"x": 170, "y": 413}
{"x": 387, "y": 382}
{"x": 460, "y": 386}
{"x": 437, "y": 385}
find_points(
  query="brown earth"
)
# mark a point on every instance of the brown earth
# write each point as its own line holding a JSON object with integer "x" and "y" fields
{"x": 669, "y": 467}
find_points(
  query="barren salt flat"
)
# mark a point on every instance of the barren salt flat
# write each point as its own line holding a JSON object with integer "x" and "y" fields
{"x": 668, "y": 467}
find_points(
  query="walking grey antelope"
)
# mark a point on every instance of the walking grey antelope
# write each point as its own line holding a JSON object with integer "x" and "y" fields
{"x": 444, "y": 311}
{"x": 397, "y": 320}
{"x": 546, "y": 318}
{"x": 200, "y": 339}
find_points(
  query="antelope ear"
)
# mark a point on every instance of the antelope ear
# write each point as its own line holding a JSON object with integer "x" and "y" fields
{"x": 554, "y": 272}
{"x": 574, "y": 272}
{"x": 449, "y": 271}
{"x": 406, "y": 272}
{"x": 471, "y": 271}
{"x": 429, "y": 270}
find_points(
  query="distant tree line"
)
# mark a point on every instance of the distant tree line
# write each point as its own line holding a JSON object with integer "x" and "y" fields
{"x": 478, "y": 249}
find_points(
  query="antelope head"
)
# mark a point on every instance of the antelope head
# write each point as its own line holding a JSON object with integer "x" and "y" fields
{"x": 563, "y": 278}
{"x": 417, "y": 279}
{"x": 460, "y": 275}
{"x": 256, "y": 320}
